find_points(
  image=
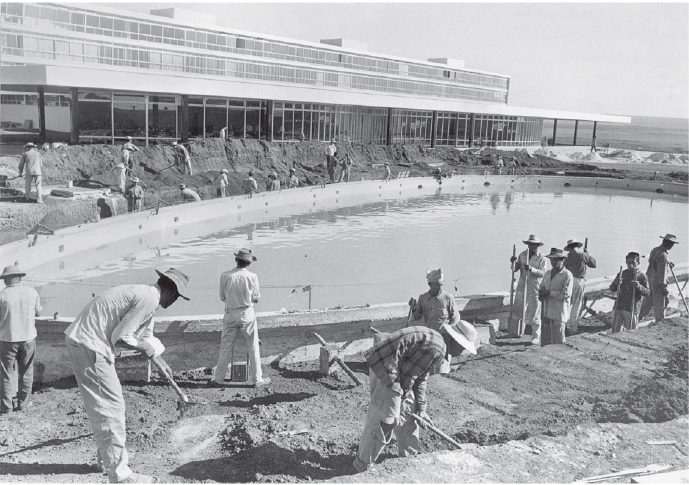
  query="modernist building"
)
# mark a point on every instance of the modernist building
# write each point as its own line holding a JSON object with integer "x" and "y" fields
{"x": 92, "y": 74}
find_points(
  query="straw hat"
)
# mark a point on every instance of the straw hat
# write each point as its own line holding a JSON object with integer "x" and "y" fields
{"x": 573, "y": 242}
{"x": 533, "y": 239}
{"x": 670, "y": 237}
{"x": 182, "y": 186}
{"x": 224, "y": 170}
{"x": 178, "y": 278}
{"x": 462, "y": 333}
{"x": 29, "y": 145}
{"x": 556, "y": 253}
{"x": 245, "y": 255}
{"x": 10, "y": 271}
{"x": 174, "y": 143}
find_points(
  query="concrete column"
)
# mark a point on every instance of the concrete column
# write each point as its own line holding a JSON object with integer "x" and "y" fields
{"x": 388, "y": 140}
{"x": 74, "y": 116}
{"x": 595, "y": 125}
{"x": 41, "y": 114}
{"x": 554, "y": 132}
{"x": 472, "y": 120}
{"x": 434, "y": 128}
{"x": 269, "y": 121}
{"x": 184, "y": 119}
{"x": 576, "y": 129}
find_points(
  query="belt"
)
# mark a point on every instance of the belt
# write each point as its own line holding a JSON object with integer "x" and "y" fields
{"x": 240, "y": 309}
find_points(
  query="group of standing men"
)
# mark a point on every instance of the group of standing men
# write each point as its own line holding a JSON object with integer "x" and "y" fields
{"x": 332, "y": 161}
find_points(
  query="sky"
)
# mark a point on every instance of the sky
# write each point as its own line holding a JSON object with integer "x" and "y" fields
{"x": 613, "y": 58}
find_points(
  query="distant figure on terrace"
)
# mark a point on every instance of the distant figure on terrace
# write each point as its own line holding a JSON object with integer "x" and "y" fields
{"x": 330, "y": 160}
{"x": 292, "y": 181}
{"x": 183, "y": 159}
{"x": 135, "y": 194}
{"x": 249, "y": 184}
{"x": 630, "y": 288}
{"x": 223, "y": 132}
{"x": 223, "y": 182}
{"x": 30, "y": 166}
{"x": 346, "y": 164}
{"x": 388, "y": 174}
{"x": 555, "y": 293}
{"x": 126, "y": 155}
{"x": 274, "y": 184}
{"x": 189, "y": 195}
{"x": 577, "y": 261}
{"x": 657, "y": 273}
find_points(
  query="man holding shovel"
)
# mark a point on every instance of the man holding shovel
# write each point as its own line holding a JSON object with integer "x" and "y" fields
{"x": 556, "y": 292}
{"x": 531, "y": 266}
{"x": 631, "y": 286}
{"x": 399, "y": 368}
{"x": 657, "y": 278}
{"x": 119, "y": 318}
{"x": 576, "y": 262}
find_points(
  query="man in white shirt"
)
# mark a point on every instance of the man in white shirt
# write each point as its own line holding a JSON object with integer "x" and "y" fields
{"x": 330, "y": 160}
{"x": 223, "y": 182}
{"x": 239, "y": 290}
{"x": 119, "y": 317}
{"x": 30, "y": 166}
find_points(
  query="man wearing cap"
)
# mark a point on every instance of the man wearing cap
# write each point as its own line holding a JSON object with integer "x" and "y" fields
{"x": 657, "y": 274}
{"x": 182, "y": 158}
{"x": 119, "y": 318}
{"x": 135, "y": 194}
{"x": 555, "y": 291}
{"x": 30, "y": 167}
{"x": 223, "y": 183}
{"x": 631, "y": 287}
{"x": 239, "y": 290}
{"x": 274, "y": 184}
{"x": 292, "y": 181}
{"x": 128, "y": 150}
{"x": 576, "y": 262}
{"x": 531, "y": 265}
{"x": 399, "y": 368}
{"x": 189, "y": 195}
{"x": 249, "y": 184}
{"x": 330, "y": 160}
{"x": 19, "y": 307}
{"x": 439, "y": 312}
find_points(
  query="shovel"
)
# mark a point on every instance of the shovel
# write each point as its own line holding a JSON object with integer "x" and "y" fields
{"x": 182, "y": 396}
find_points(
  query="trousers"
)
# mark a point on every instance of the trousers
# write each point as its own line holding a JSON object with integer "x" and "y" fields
{"x": 236, "y": 323}
{"x": 624, "y": 320}
{"x": 578, "y": 289}
{"x": 533, "y": 313}
{"x": 553, "y": 332}
{"x": 655, "y": 300}
{"x": 101, "y": 393}
{"x": 383, "y": 418}
{"x": 31, "y": 180}
{"x": 21, "y": 354}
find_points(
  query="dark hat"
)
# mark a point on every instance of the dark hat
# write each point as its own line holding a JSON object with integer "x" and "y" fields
{"x": 245, "y": 255}
{"x": 632, "y": 254}
{"x": 251, "y": 173}
{"x": 573, "y": 242}
{"x": 533, "y": 239}
{"x": 11, "y": 271}
{"x": 178, "y": 278}
{"x": 670, "y": 237}
{"x": 556, "y": 253}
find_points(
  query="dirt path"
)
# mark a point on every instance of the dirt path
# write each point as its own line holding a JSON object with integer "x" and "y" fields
{"x": 507, "y": 394}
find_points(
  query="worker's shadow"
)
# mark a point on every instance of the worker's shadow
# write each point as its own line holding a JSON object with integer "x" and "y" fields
{"x": 266, "y": 460}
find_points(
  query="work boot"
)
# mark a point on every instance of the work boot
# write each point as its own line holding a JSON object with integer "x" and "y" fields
{"x": 262, "y": 382}
{"x": 139, "y": 478}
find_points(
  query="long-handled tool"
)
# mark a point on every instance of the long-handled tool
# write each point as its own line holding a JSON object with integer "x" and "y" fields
{"x": 681, "y": 295}
{"x": 631, "y": 321}
{"x": 522, "y": 322}
{"x": 411, "y": 310}
{"x": 615, "y": 308}
{"x": 182, "y": 396}
{"x": 514, "y": 255}
{"x": 437, "y": 431}
{"x": 329, "y": 354}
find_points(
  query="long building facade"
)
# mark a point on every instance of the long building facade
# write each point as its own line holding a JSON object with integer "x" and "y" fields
{"x": 90, "y": 74}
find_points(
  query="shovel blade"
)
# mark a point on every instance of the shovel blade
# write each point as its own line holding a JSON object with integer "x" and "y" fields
{"x": 514, "y": 326}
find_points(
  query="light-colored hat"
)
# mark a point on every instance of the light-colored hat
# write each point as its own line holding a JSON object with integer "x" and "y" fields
{"x": 573, "y": 242}
{"x": 182, "y": 186}
{"x": 224, "y": 170}
{"x": 135, "y": 180}
{"x": 11, "y": 271}
{"x": 291, "y": 170}
{"x": 670, "y": 237}
{"x": 556, "y": 253}
{"x": 174, "y": 143}
{"x": 29, "y": 145}
{"x": 178, "y": 278}
{"x": 533, "y": 239}
{"x": 245, "y": 255}
{"x": 130, "y": 138}
{"x": 275, "y": 174}
{"x": 462, "y": 333}
{"x": 434, "y": 275}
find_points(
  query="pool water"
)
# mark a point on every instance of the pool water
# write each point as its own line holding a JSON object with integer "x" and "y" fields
{"x": 379, "y": 252}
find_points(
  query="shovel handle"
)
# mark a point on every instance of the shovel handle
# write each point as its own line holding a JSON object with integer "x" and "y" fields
{"x": 169, "y": 378}
{"x": 320, "y": 339}
{"x": 436, "y": 430}
{"x": 349, "y": 372}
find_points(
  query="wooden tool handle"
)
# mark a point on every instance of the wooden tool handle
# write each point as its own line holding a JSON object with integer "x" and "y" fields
{"x": 348, "y": 370}
{"x": 169, "y": 378}
{"x": 436, "y": 430}
{"x": 320, "y": 339}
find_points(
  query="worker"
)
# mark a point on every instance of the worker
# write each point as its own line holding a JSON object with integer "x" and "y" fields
{"x": 182, "y": 158}
{"x": 399, "y": 368}
{"x": 576, "y": 262}
{"x": 555, "y": 292}
{"x": 657, "y": 274}
{"x": 19, "y": 307}
{"x": 223, "y": 132}
{"x": 274, "y": 184}
{"x": 189, "y": 195}
{"x": 631, "y": 286}
{"x": 531, "y": 265}
{"x": 239, "y": 290}
{"x": 439, "y": 312}
{"x": 330, "y": 160}
{"x": 388, "y": 174}
{"x": 30, "y": 167}
{"x": 126, "y": 155}
{"x": 135, "y": 195}
{"x": 499, "y": 164}
{"x": 223, "y": 182}
{"x": 292, "y": 181}
{"x": 249, "y": 184}
{"x": 119, "y": 318}
{"x": 121, "y": 170}
{"x": 346, "y": 164}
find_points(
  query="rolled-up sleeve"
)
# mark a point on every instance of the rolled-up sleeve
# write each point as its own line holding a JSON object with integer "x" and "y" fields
{"x": 139, "y": 314}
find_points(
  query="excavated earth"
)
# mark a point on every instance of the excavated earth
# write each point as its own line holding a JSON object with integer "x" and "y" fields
{"x": 524, "y": 414}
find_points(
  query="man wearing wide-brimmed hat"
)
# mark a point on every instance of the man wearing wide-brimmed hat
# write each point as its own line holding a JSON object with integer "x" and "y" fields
{"x": 576, "y": 262}
{"x": 19, "y": 307}
{"x": 182, "y": 158}
{"x": 126, "y": 155}
{"x": 631, "y": 286}
{"x": 292, "y": 180}
{"x": 657, "y": 274}
{"x": 189, "y": 195}
{"x": 274, "y": 183}
{"x": 531, "y": 265}
{"x": 118, "y": 318}
{"x": 249, "y": 185}
{"x": 223, "y": 182}
{"x": 555, "y": 291}
{"x": 135, "y": 194}
{"x": 239, "y": 290}
{"x": 30, "y": 166}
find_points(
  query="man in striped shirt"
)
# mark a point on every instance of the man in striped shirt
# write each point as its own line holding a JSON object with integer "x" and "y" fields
{"x": 399, "y": 368}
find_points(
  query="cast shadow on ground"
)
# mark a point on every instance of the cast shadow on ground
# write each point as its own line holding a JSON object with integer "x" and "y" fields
{"x": 276, "y": 398}
{"x": 28, "y": 469}
{"x": 268, "y": 460}
{"x": 53, "y": 442}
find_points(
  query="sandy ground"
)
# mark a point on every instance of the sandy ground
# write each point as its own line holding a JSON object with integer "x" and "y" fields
{"x": 552, "y": 414}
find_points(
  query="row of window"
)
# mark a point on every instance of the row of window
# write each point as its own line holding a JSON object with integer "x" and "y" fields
{"x": 113, "y": 54}
{"x": 32, "y": 99}
{"x": 77, "y": 20}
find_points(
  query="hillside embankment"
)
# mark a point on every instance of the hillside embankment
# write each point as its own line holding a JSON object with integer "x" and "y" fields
{"x": 92, "y": 166}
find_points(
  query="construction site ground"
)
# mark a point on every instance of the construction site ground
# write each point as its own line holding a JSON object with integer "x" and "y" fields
{"x": 559, "y": 413}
